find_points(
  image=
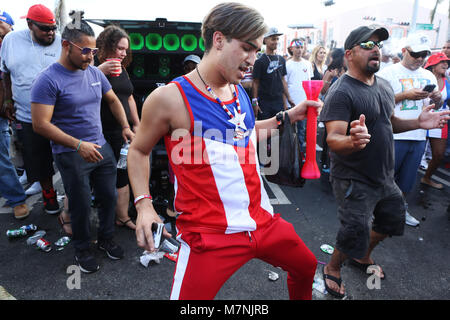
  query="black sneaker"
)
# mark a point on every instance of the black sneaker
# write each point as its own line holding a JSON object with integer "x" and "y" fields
{"x": 51, "y": 205}
{"x": 113, "y": 250}
{"x": 86, "y": 261}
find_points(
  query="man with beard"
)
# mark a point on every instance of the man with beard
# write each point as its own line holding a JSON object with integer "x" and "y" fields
{"x": 10, "y": 187}
{"x": 24, "y": 54}
{"x": 360, "y": 121}
{"x": 65, "y": 107}
{"x": 408, "y": 79}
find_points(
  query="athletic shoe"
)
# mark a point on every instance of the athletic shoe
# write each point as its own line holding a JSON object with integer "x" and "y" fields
{"x": 411, "y": 221}
{"x": 23, "y": 178}
{"x": 35, "y": 188}
{"x": 51, "y": 205}
{"x": 113, "y": 250}
{"x": 86, "y": 261}
{"x": 318, "y": 148}
{"x": 21, "y": 211}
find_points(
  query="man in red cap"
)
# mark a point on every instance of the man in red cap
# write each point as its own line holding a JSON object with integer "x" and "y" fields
{"x": 24, "y": 54}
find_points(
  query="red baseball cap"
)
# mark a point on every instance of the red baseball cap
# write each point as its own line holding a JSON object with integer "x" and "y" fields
{"x": 40, "y": 13}
{"x": 436, "y": 58}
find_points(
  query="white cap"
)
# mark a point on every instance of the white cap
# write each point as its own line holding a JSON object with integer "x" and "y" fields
{"x": 418, "y": 42}
{"x": 192, "y": 58}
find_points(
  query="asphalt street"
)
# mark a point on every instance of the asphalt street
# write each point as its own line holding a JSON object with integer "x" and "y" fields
{"x": 415, "y": 264}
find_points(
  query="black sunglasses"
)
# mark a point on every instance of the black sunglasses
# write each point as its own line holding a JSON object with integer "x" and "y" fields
{"x": 86, "y": 50}
{"x": 417, "y": 55}
{"x": 369, "y": 45}
{"x": 45, "y": 28}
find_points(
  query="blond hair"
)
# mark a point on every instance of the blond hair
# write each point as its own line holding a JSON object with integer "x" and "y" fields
{"x": 313, "y": 57}
{"x": 235, "y": 21}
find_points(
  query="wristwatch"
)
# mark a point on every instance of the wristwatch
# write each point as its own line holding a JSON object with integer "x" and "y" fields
{"x": 280, "y": 118}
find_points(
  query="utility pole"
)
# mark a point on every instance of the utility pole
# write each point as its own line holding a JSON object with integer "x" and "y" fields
{"x": 412, "y": 29}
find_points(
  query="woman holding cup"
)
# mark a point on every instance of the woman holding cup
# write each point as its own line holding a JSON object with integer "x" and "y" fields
{"x": 114, "y": 55}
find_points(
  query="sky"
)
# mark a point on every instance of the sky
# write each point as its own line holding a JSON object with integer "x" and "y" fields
{"x": 278, "y": 13}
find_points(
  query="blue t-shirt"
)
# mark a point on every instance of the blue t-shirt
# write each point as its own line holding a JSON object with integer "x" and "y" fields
{"x": 76, "y": 97}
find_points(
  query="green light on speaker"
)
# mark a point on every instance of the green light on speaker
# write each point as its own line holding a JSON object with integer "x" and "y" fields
{"x": 136, "y": 41}
{"x": 201, "y": 44}
{"x": 171, "y": 42}
{"x": 189, "y": 42}
{"x": 153, "y": 41}
{"x": 164, "y": 61}
{"x": 164, "y": 71}
{"x": 138, "y": 71}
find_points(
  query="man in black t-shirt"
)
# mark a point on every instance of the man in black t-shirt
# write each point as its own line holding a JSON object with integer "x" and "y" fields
{"x": 360, "y": 121}
{"x": 269, "y": 84}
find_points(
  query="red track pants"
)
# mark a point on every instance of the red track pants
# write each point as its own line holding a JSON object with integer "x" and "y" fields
{"x": 206, "y": 261}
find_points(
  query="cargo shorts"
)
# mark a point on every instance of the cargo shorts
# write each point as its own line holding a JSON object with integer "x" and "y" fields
{"x": 362, "y": 208}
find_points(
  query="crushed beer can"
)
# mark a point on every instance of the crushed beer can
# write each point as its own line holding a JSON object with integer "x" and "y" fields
{"x": 30, "y": 227}
{"x": 170, "y": 245}
{"x": 61, "y": 243}
{"x": 44, "y": 245}
{"x": 171, "y": 256}
{"x": 16, "y": 233}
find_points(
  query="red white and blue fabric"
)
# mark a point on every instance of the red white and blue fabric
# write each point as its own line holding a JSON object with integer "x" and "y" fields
{"x": 442, "y": 133}
{"x": 218, "y": 185}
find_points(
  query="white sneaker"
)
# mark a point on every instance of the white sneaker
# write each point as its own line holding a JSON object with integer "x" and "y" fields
{"x": 34, "y": 189}
{"x": 318, "y": 148}
{"x": 410, "y": 220}
{"x": 23, "y": 178}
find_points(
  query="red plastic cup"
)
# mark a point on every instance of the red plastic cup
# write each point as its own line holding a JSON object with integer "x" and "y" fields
{"x": 310, "y": 168}
{"x": 116, "y": 72}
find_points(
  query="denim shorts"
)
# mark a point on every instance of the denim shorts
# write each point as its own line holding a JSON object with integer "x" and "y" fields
{"x": 362, "y": 208}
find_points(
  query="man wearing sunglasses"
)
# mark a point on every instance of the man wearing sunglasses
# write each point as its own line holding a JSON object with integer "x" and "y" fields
{"x": 66, "y": 99}
{"x": 360, "y": 121}
{"x": 408, "y": 79}
{"x": 24, "y": 54}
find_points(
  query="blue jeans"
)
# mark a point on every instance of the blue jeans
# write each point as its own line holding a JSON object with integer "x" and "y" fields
{"x": 77, "y": 176}
{"x": 10, "y": 187}
{"x": 408, "y": 154}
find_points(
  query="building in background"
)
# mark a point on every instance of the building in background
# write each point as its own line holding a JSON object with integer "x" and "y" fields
{"x": 395, "y": 16}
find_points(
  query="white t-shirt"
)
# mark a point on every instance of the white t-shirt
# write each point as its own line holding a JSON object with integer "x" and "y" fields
{"x": 403, "y": 79}
{"x": 296, "y": 73}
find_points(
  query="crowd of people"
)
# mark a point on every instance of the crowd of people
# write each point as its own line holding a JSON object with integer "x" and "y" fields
{"x": 69, "y": 100}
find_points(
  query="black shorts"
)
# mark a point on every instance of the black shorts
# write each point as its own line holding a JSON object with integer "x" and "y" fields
{"x": 37, "y": 153}
{"x": 362, "y": 207}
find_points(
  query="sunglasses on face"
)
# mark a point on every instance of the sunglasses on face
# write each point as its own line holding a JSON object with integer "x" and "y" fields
{"x": 369, "y": 45}
{"x": 45, "y": 28}
{"x": 417, "y": 55}
{"x": 86, "y": 50}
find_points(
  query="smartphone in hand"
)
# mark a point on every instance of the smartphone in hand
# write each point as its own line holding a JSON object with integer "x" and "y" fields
{"x": 429, "y": 88}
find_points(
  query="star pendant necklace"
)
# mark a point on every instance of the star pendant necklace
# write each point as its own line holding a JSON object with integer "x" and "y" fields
{"x": 237, "y": 119}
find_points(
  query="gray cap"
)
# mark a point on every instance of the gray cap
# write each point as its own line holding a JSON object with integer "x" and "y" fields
{"x": 272, "y": 32}
{"x": 192, "y": 58}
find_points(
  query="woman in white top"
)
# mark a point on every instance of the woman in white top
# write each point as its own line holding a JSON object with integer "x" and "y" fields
{"x": 438, "y": 65}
